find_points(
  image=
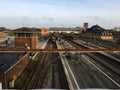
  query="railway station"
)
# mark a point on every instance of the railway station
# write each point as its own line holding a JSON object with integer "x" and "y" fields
{"x": 59, "y": 44}
{"x": 60, "y": 58}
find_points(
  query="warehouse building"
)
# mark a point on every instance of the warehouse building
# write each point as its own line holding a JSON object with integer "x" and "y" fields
{"x": 76, "y": 30}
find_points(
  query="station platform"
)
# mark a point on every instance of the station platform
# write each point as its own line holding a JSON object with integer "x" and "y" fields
{"x": 68, "y": 72}
{"x": 43, "y": 43}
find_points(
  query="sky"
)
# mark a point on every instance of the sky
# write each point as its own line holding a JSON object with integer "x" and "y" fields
{"x": 59, "y": 13}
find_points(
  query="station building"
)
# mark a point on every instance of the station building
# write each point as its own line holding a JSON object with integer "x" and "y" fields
{"x": 97, "y": 32}
{"x": 28, "y": 37}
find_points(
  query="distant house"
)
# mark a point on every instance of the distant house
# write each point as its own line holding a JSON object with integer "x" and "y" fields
{"x": 97, "y": 32}
{"x": 2, "y": 34}
{"x": 45, "y": 31}
{"x": 117, "y": 29}
{"x": 2, "y": 31}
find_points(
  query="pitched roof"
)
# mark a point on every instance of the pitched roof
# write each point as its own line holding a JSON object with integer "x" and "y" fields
{"x": 25, "y": 30}
{"x": 95, "y": 29}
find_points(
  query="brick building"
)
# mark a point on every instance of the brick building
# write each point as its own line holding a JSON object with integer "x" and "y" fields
{"x": 11, "y": 67}
{"x": 97, "y": 32}
{"x": 28, "y": 37}
{"x": 2, "y": 34}
{"x": 45, "y": 31}
{"x": 26, "y": 42}
{"x": 25, "y": 38}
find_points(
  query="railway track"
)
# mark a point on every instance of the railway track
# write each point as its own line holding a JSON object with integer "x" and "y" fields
{"x": 115, "y": 63}
{"x": 109, "y": 67}
{"x": 46, "y": 62}
{"x": 58, "y": 77}
{"x": 37, "y": 76}
{"x": 105, "y": 45}
{"x": 101, "y": 76}
{"x": 102, "y": 43}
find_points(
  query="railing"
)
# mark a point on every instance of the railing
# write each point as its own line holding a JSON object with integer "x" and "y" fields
{"x": 60, "y": 50}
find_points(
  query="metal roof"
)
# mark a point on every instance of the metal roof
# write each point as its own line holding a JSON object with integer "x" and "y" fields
{"x": 25, "y": 30}
{"x": 8, "y": 59}
{"x": 65, "y": 29}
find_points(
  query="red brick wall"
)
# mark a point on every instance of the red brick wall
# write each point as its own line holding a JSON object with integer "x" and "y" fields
{"x": 20, "y": 42}
{"x": 89, "y": 35}
{"x": 15, "y": 70}
{"x": 32, "y": 42}
{"x": 2, "y": 34}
